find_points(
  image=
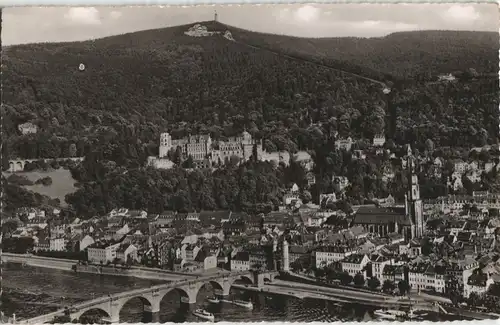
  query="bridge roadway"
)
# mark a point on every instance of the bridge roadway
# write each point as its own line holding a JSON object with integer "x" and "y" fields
{"x": 151, "y": 297}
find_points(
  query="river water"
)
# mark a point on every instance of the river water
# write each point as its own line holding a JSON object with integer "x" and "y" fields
{"x": 32, "y": 291}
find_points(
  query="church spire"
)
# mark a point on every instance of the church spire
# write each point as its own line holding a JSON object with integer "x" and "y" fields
{"x": 413, "y": 200}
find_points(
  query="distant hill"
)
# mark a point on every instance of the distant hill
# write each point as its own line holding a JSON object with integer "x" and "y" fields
{"x": 137, "y": 85}
{"x": 402, "y": 54}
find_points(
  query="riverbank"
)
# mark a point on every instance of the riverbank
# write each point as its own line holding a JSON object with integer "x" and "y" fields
{"x": 136, "y": 272}
{"x": 72, "y": 265}
{"x": 39, "y": 261}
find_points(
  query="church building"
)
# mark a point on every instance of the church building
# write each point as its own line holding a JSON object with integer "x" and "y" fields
{"x": 407, "y": 220}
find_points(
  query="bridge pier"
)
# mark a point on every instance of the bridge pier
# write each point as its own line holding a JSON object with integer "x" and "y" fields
{"x": 150, "y": 315}
{"x": 114, "y": 319}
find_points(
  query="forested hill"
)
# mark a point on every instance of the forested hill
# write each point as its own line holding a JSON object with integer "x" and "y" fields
{"x": 402, "y": 55}
{"x": 137, "y": 85}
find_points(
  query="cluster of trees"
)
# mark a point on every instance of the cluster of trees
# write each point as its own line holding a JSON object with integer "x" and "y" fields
{"x": 16, "y": 196}
{"x": 20, "y": 245}
{"x": 490, "y": 301}
{"x": 46, "y": 181}
{"x": 253, "y": 187}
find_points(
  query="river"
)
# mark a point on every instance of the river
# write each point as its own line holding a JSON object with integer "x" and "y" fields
{"x": 32, "y": 291}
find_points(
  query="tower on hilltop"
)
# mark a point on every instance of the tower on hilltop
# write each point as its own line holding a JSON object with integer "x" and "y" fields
{"x": 413, "y": 200}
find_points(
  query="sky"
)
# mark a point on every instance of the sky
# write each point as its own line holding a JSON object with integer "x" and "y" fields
{"x": 60, "y": 24}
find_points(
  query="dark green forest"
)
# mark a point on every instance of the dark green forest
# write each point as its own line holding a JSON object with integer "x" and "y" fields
{"x": 294, "y": 94}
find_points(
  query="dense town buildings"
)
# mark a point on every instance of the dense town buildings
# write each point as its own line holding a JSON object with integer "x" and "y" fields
{"x": 384, "y": 240}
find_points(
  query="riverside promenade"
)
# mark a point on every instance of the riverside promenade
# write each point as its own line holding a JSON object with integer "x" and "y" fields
{"x": 72, "y": 265}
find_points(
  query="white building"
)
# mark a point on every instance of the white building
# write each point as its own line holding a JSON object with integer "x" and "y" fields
{"x": 102, "y": 252}
{"x": 424, "y": 276}
{"x": 460, "y": 167}
{"x": 27, "y": 128}
{"x": 379, "y": 140}
{"x": 325, "y": 256}
{"x": 355, "y": 264}
{"x": 57, "y": 244}
{"x": 378, "y": 263}
{"x": 126, "y": 252}
{"x": 344, "y": 144}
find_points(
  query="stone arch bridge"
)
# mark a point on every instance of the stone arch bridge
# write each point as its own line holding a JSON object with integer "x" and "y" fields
{"x": 151, "y": 297}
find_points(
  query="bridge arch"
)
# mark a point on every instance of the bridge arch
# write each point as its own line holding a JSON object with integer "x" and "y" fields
{"x": 19, "y": 166}
{"x": 147, "y": 303}
{"x": 220, "y": 288}
{"x": 187, "y": 294}
{"x": 247, "y": 279}
{"x": 88, "y": 313}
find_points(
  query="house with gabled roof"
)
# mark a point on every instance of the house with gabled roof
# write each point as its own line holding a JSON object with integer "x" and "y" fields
{"x": 478, "y": 282}
{"x": 241, "y": 261}
{"x": 393, "y": 273}
{"x": 355, "y": 264}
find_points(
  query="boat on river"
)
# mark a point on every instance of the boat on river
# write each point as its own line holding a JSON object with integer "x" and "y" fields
{"x": 213, "y": 300}
{"x": 202, "y": 313}
{"x": 241, "y": 303}
{"x": 390, "y": 314}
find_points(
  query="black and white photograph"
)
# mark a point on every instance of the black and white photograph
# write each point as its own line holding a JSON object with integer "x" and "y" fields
{"x": 250, "y": 163}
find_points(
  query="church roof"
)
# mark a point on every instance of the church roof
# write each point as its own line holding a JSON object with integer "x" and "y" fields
{"x": 381, "y": 215}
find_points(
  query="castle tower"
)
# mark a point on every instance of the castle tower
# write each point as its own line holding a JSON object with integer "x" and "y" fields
{"x": 413, "y": 201}
{"x": 286, "y": 260}
{"x": 165, "y": 144}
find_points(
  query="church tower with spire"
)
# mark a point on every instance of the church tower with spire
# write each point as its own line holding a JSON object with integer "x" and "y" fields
{"x": 414, "y": 208}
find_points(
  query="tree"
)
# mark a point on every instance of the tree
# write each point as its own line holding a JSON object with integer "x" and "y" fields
{"x": 188, "y": 163}
{"x": 493, "y": 212}
{"x": 345, "y": 278}
{"x": 306, "y": 196}
{"x": 9, "y": 226}
{"x": 296, "y": 266}
{"x": 427, "y": 247}
{"x": 373, "y": 283}
{"x": 474, "y": 299}
{"x": 388, "y": 286}
{"x": 20, "y": 245}
{"x": 403, "y": 287}
{"x": 359, "y": 280}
